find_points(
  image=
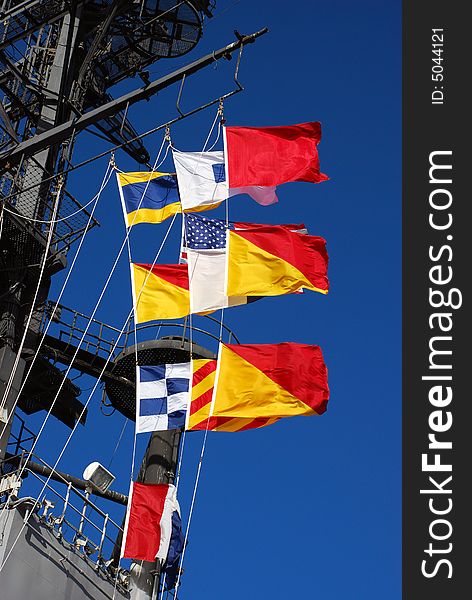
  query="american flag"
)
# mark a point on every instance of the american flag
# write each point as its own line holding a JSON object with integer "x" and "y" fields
{"x": 205, "y": 234}
{"x": 202, "y": 233}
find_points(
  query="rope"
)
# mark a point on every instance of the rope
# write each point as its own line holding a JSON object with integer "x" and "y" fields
{"x": 217, "y": 137}
{"x": 125, "y": 242}
{"x": 117, "y": 445}
{"x": 218, "y": 115}
{"x": 25, "y": 218}
{"x": 30, "y": 315}
{"x": 192, "y": 504}
{"x": 105, "y": 181}
{"x": 2, "y": 207}
{"x": 88, "y": 326}
{"x": 64, "y": 447}
{"x": 202, "y": 452}
{"x": 137, "y": 137}
{"x": 135, "y": 335}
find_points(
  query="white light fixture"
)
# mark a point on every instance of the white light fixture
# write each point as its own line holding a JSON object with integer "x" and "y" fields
{"x": 98, "y": 476}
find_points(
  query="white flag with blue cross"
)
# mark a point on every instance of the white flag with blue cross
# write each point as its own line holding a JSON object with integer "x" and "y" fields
{"x": 162, "y": 396}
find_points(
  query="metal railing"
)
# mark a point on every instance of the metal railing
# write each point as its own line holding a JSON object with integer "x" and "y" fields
{"x": 70, "y": 521}
{"x": 22, "y": 437}
{"x": 101, "y": 338}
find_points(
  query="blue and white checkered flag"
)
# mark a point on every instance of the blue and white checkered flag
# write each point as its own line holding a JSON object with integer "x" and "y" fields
{"x": 162, "y": 396}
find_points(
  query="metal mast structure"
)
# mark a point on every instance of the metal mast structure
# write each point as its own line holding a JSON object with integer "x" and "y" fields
{"x": 58, "y": 61}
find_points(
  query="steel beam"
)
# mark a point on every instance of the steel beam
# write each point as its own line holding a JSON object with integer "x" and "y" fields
{"x": 58, "y": 134}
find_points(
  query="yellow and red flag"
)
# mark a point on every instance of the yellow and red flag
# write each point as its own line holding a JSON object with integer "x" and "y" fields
{"x": 253, "y": 385}
{"x": 272, "y": 260}
{"x": 160, "y": 291}
{"x": 228, "y": 265}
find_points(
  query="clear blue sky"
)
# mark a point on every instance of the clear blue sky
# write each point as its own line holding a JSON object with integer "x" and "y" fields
{"x": 310, "y": 507}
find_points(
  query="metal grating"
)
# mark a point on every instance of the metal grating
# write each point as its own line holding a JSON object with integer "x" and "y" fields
{"x": 66, "y": 231}
{"x": 19, "y": 18}
{"x": 151, "y": 30}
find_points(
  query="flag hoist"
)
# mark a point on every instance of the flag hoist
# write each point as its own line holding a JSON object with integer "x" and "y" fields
{"x": 222, "y": 264}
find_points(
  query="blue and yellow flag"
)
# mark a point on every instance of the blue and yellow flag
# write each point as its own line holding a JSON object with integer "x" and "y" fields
{"x": 148, "y": 197}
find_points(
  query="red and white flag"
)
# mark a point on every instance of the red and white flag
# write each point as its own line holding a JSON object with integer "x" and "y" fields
{"x": 269, "y": 156}
{"x": 148, "y": 524}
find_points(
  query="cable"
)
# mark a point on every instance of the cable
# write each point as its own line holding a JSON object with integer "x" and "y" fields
{"x": 91, "y": 319}
{"x": 192, "y": 504}
{"x": 135, "y": 334}
{"x": 21, "y": 216}
{"x": 64, "y": 447}
{"x": 66, "y": 373}
{"x": 2, "y": 208}
{"x": 30, "y": 315}
{"x": 117, "y": 445}
{"x": 137, "y": 137}
{"x": 202, "y": 452}
{"x": 86, "y": 330}
{"x": 217, "y": 137}
{"x": 106, "y": 363}
{"x": 103, "y": 184}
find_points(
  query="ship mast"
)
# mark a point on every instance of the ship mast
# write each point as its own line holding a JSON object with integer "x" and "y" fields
{"x": 58, "y": 60}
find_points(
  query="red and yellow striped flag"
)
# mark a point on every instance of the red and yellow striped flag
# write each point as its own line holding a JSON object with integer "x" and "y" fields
{"x": 257, "y": 384}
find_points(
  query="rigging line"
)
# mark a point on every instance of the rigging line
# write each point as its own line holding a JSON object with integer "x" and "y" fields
{"x": 2, "y": 207}
{"x": 217, "y": 137}
{"x": 135, "y": 303}
{"x": 179, "y": 466}
{"x": 30, "y": 315}
{"x": 114, "y": 585}
{"x": 66, "y": 443}
{"x": 21, "y": 216}
{"x": 67, "y": 371}
{"x": 135, "y": 336}
{"x": 105, "y": 181}
{"x": 89, "y": 323}
{"x": 220, "y": 14}
{"x": 192, "y": 504}
{"x": 117, "y": 445}
{"x": 163, "y": 586}
{"x": 182, "y": 446}
{"x": 155, "y": 168}
{"x": 91, "y": 318}
{"x": 207, "y": 139}
{"x": 104, "y": 367}
{"x": 89, "y": 508}
{"x": 133, "y": 456}
{"x": 202, "y": 453}
{"x": 119, "y": 146}
{"x": 183, "y": 243}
